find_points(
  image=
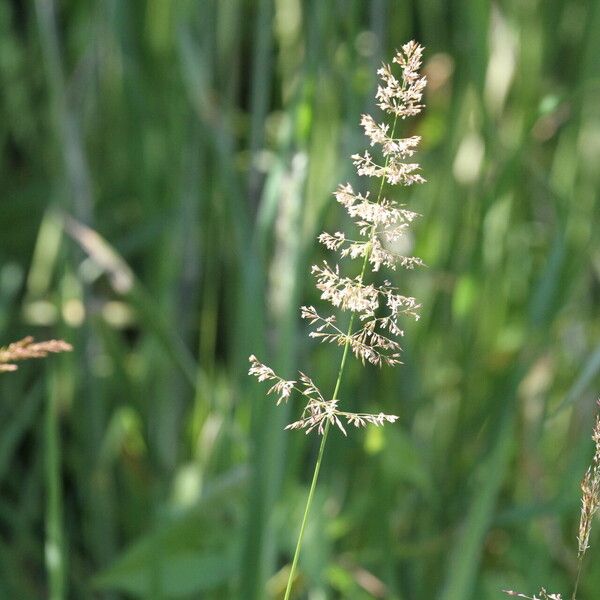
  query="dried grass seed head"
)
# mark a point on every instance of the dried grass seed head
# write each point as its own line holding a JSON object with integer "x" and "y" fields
{"x": 590, "y": 494}
{"x": 27, "y": 348}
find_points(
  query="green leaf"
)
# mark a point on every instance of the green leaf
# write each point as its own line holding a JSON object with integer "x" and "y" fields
{"x": 186, "y": 555}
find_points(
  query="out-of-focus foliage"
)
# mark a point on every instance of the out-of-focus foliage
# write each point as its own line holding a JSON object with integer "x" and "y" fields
{"x": 165, "y": 169}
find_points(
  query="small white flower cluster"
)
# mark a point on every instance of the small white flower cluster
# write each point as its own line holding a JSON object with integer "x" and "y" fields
{"x": 365, "y": 343}
{"x": 403, "y": 98}
{"x": 379, "y": 221}
{"x": 344, "y": 292}
{"x": 373, "y": 219}
{"x": 369, "y": 213}
{"x": 318, "y": 411}
{"x": 282, "y": 387}
{"x": 368, "y": 343}
{"x": 378, "y": 134}
{"x": 395, "y": 171}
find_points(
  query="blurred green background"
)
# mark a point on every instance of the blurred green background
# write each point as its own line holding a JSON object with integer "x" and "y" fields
{"x": 165, "y": 169}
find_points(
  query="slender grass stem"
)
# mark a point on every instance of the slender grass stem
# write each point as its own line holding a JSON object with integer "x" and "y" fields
{"x": 338, "y": 383}
{"x": 54, "y": 545}
{"x": 576, "y": 586}
{"x": 315, "y": 477}
{"x": 311, "y": 493}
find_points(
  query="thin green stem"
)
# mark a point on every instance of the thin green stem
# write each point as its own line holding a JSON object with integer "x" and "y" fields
{"x": 311, "y": 493}
{"x": 338, "y": 383}
{"x": 579, "y": 564}
{"x": 315, "y": 477}
{"x": 54, "y": 543}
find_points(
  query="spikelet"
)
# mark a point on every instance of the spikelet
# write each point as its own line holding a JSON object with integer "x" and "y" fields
{"x": 377, "y": 310}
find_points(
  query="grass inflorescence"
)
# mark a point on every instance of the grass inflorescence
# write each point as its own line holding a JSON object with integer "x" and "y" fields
{"x": 374, "y": 325}
{"x": 27, "y": 349}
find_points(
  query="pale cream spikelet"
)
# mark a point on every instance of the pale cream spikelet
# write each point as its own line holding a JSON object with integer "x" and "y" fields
{"x": 282, "y": 388}
{"x": 375, "y": 309}
{"x": 26, "y": 349}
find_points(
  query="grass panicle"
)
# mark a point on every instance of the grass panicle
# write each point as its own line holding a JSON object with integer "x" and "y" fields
{"x": 375, "y": 310}
{"x": 191, "y": 145}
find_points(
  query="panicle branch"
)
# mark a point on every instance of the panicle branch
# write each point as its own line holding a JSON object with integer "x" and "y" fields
{"x": 316, "y": 414}
{"x": 281, "y": 388}
{"x": 318, "y": 411}
{"x": 394, "y": 171}
{"x": 543, "y": 595}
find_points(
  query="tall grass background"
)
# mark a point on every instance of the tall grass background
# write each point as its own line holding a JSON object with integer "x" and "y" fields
{"x": 165, "y": 170}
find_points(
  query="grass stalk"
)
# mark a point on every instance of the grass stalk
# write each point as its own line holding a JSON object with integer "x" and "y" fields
{"x": 54, "y": 545}
{"x": 338, "y": 383}
{"x": 576, "y": 586}
{"x": 311, "y": 493}
{"x": 315, "y": 477}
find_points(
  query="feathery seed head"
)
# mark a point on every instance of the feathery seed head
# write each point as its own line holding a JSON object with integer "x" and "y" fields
{"x": 380, "y": 221}
{"x": 402, "y": 98}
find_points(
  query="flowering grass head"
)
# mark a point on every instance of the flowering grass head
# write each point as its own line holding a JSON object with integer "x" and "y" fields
{"x": 26, "y": 349}
{"x": 369, "y": 325}
{"x": 374, "y": 325}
